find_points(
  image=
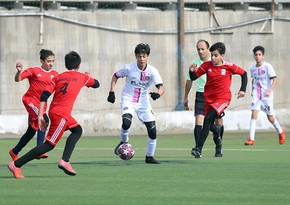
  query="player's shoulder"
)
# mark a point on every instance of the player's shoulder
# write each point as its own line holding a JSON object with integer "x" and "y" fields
{"x": 227, "y": 63}
{"x": 34, "y": 68}
{"x": 206, "y": 64}
{"x": 151, "y": 66}
{"x": 54, "y": 72}
{"x": 267, "y": 64}
{"x": 129, "y": 66}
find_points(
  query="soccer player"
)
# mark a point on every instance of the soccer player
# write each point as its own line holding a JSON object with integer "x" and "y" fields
{"x": 264, "y": 81}
{"x": 38, "y": 78}
{"x": 66, "y": 87}
{"x": 202, "y": 47}
{"x": 217, "y": 91}
{"x": 135, "y": 97}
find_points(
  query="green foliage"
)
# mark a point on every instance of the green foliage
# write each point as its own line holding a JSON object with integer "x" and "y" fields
{"x": 257, "y": 175}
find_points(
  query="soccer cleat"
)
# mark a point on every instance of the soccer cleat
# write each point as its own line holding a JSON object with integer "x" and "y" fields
{"x": 15, "y": 170}
{"x": 196, "y": 152}
{"x": 282, "y": 137}
{"x": 116, "y": 148}
{"x": 218, "y": 151}
{"x": 66, "y": 167}
{"x": 42, "y": 156}
{"x": 151, "y": 160}
{"x": 13, "y": 156}
{"x": 249, "y": 142}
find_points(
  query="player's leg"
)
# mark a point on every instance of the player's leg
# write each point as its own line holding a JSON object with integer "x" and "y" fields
{"x": 125, "y": 128}
{"x": 126, "y": 124}
{"x": 71, "y": 141}
{"x": 15, "y": 166}
{"x": 26, "y": 137}
{"x": 217, "y": 129}
{"x": 255, "y": 108}
{"x": 207, "y": 123}
{"x": 58, "y": 126}
{"x": 253, "y": 121}
{"x": 147, "y": 117}
{"x": 41, "y": 134}
{"x": 41, "y": 137}
{"x": 151, "y": 143}
{"x": 278, "y": 128}
{"x": 268, "y": 109}
{"x": 199, "y": 115}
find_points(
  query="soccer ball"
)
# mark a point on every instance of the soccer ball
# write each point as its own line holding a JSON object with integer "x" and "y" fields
{"x": 126, "y": 151}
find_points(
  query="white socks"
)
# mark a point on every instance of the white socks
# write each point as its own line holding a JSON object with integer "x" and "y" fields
{"x": 124, "y": 135}
{"x": 277, "y": 126}
{"x": 151, "y": 146}
{"x": 252, "y": 129}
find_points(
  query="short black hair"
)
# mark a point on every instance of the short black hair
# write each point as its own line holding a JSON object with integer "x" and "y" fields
{"x": 259, "y": 48}
{"x": 44, "y": 53}
{"x": 219, "y": 47}
{"x": 72, "y": 60}
{"x": 142, "y": 48}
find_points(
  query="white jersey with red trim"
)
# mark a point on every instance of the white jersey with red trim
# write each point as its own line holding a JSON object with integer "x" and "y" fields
{"x": 262, "y": 80}
{"x": 138, "y": 83}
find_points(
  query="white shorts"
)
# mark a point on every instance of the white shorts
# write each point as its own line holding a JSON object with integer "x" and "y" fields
{"x": 264, "y": 105}
{"x": 145, "y": 114}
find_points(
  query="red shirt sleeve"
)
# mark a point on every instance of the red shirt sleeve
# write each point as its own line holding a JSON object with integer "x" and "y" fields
{"x": 202, "y": 69}
{"x": 237, "y": 69}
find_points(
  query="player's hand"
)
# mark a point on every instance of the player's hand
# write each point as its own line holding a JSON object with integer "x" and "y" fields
{"x": 240, "y": 94}
{"x": 193, "y": 67}
{"x": 111, "y": 98}
{"x": 42, "y": 123}
{"x": 185, "y": 104}
{"x": 154, "y": 95}
{"x": 19, "y": 66}
{"x": 267, "y": 94}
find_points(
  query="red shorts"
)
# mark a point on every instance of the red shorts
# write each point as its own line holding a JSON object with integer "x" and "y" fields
{"x": 32, "y": 108}
{"x": 219, "y": 105}
{"x": 58, "y": 125}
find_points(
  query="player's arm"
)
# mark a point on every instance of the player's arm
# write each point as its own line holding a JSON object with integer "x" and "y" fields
{"x": 242, "y": 91}
{"x": 187, "y": 89}
{"x": 192, "y": 72}
{"x": 19, "y": 68}
{"x": 96, "y": 82}
{"x": 159, "y": 93}
{"x": 274, "y": 83}
{"x": 111, "y": 98}
{"x": 43, "y": 99}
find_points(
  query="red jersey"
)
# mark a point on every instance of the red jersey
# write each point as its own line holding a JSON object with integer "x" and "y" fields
{"x": 38, "y": 79}
{"x": 66, "y": 87}
{"x": 219, "y": 79}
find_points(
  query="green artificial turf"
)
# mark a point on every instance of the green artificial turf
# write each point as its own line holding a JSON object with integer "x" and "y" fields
{"x": 245, "y": 175}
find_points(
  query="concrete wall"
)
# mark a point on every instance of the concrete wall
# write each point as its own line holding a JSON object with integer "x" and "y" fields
{"x": 104, "y": 51}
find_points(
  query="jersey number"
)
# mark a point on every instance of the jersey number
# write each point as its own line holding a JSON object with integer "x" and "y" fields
{"x": 64, "y": 88}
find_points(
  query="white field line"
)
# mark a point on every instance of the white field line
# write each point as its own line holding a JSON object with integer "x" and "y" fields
{"x": 180, "y": 149}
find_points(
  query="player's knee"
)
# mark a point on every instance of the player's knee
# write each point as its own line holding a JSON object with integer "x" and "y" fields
{"x": 78, "y": 130}
{"x": 151, "y": 129}
{"x": 47, "y": 146}
{"x": 126, "y": 121}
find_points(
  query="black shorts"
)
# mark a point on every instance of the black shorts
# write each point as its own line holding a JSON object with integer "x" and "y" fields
{"x": 199, "y": 104}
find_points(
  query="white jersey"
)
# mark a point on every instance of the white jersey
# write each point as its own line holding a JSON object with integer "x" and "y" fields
{"x": 262, "y": 80}
{"x": 138, "y": 83}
